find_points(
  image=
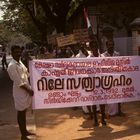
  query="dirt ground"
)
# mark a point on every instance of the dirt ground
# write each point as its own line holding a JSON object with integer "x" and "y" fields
{"x": 69, "y": 124}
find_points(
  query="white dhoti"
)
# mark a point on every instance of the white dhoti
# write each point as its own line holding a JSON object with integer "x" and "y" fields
{"x": 112, "y": 109}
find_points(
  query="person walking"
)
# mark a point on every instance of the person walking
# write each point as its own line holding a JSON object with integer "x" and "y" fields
{"x": 22, "y": 92}
{"x": 4, "y": 61}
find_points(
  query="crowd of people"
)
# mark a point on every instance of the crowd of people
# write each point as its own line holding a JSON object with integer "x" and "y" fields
{"x": 22, "y": 92}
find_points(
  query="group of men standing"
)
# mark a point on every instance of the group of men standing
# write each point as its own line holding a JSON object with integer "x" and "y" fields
{"x": 22, "y": 91}
{"x": 113, "y": 109}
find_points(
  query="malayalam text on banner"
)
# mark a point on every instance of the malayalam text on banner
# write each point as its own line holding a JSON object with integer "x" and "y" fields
{"x": 71, "y": 82}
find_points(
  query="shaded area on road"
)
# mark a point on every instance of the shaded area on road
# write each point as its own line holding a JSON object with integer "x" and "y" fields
{"x": 5, "y": 89}
{"x": 68, "y": 124}
{"x": 5, "y": 83}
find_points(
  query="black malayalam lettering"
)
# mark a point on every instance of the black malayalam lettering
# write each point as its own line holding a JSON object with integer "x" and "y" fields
{"x": 106, "y": 82}
{"x": 72, "y": 83}
{"x": 59, "y": 83}
{"x": 88, "y": 83}
{"x": 41, "y": 84}
{"x": 85, "y": 83}
{"x": 50, "y": 84}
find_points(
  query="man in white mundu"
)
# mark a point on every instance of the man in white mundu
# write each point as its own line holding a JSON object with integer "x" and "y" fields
{"x": 95, "y": 53}
{"x": 82, "y": 54}
{"x": 115, "y": 108}
{"x": 22, "y": 92}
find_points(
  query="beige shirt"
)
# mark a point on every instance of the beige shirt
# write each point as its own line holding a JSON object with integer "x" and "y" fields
{"x": 80, "y": 55}
{"x": 106, "y": 54}
{"x": 19, "y": 75}
{"x": 112, "y": 108}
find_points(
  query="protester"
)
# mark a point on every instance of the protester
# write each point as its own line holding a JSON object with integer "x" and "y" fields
{"x": 42, "y": 52}
{"x": 4, "y": 61}
{"x": 95, "y": 53}
{"x": 50, "y": 54}
{"x": 63, "y": 53}
{"x": 22, "y": 92}
{"x": 82, "y": 54}
{"x": 82, "y": 51}
{"x": 115, "y": 108}
{"x": 75, "y": 50}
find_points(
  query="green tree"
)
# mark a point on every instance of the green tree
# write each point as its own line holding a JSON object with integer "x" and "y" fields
{"x": 19, "y": 17}
{"x": 36, "y": 18}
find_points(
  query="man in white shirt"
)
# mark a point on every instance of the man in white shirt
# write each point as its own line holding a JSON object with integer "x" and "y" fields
{"x": 95, "y": 53}
{"x": 74, "y": 50}
{"x": 22, "y": 92}
{"x": 82, "y": 54}
{"x": 115, "y": 108}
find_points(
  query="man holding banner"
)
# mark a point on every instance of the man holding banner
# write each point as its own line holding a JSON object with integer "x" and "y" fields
{"x": 22, "y": 91}
{"x": 115, "y": 108}
{"x": 95, "y": 53}
{"x": 82, "y": 54}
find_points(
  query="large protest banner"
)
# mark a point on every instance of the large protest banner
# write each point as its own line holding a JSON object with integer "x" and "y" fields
{"x": 84, "y": 81}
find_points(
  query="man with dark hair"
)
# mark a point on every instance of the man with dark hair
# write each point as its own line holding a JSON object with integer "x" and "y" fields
{"x": 115, "y": 108}
{"x": 95, "y": 53}
{"x": 22, "y": 92}
{"x": 82, "y": 54}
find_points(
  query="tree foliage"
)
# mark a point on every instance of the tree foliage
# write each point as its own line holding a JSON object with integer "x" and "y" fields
{"x": 36, "y": 18}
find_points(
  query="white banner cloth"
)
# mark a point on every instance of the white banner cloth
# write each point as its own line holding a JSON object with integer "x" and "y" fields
{"x": 71, "y": 82}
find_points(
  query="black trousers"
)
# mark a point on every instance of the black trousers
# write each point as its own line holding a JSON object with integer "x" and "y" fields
{"x": 21, "y": 118}
{"x": 102, "y": 108}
